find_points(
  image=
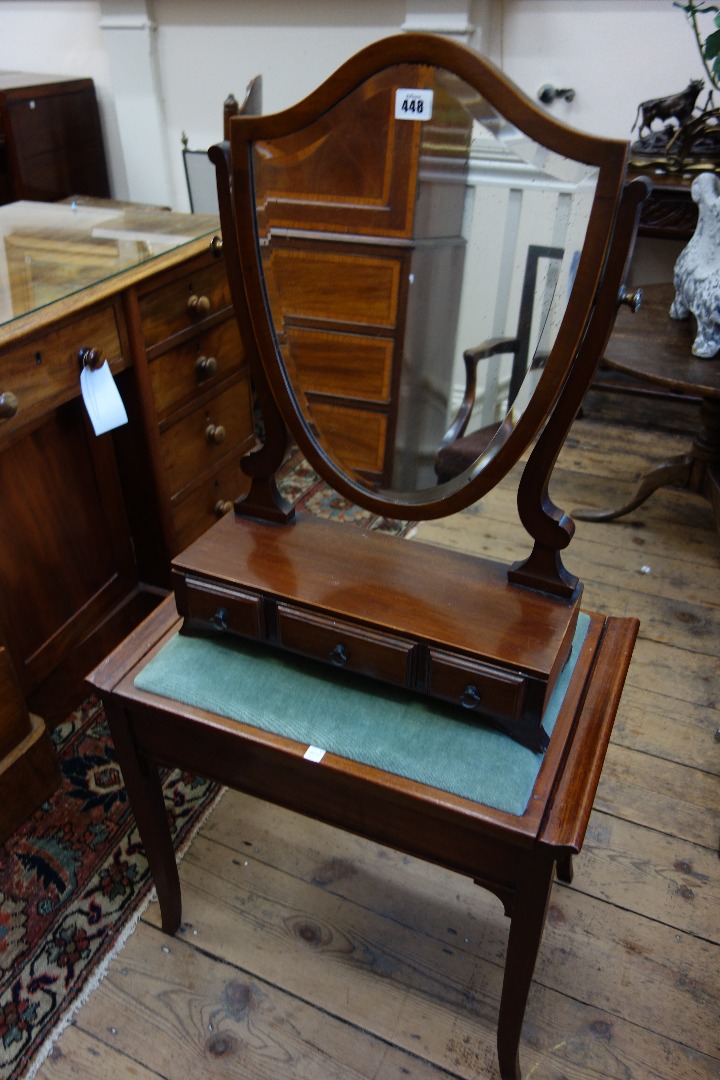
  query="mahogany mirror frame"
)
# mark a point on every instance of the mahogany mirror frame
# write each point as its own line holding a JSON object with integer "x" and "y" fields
{"x": 574, "y": 355}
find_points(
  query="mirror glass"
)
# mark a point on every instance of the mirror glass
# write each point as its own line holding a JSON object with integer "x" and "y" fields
{"x": 409, "y": 224}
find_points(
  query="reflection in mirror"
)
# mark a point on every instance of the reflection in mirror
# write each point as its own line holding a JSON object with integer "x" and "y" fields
{"x": 407, "y": 227}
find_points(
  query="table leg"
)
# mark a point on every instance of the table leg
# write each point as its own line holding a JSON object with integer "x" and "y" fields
{"x": 526, "y": 927}
{"x": 142, "y": 783}
{"x": 673, "y": 473}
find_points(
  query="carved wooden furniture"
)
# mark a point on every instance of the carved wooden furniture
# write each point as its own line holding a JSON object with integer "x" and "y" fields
{"x": 51, "y": 143}
{"x": 657, "y": 349}
{"x": 390, "y": 629}
{"x": 89, "y": 525}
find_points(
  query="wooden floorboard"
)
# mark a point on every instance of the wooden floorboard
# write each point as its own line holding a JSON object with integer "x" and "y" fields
{"x": 306, "y": 953}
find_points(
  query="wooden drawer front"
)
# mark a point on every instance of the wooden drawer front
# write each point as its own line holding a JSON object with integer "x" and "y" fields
{"x": 354, "y": 437}
{"x": 477, "y": 687}
{"x": 348, "y": 365}
{"x": 349, "y": 288}
{"x": 169, "y": 309}
{"x": 345, "y": 645}
{"x": 44, "y": 372}
{"x": 224, "y": 609}
{"x": 187, "y": 446}
{"x": 178, "y": 374}
{"x": 204, "y": 505}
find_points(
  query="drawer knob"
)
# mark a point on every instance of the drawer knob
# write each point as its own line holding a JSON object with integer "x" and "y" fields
{"x": 222, "y": 507}
{"x": 206, "y": 367}
{"x": 219, "y": 619}
{"x": 338, "y": 656}
{"x": 214, "y": 434}
{"x": 470, "y": 698}
{"x": 198, "y": 306}
{"x": 91, "y": 358}
{"x": 8, "y": 405}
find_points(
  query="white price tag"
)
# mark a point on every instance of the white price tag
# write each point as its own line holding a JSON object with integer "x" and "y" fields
{"x": 102, "y": 399}
{"x": 413, "y": 104}
{"x": 314, "y": 753}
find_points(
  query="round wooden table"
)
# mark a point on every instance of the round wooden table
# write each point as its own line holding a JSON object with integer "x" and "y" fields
{"x": 651, "y": 346}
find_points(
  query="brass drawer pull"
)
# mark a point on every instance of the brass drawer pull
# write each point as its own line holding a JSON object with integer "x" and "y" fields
{"x": 206, "y": 367}
{"x": 8, "y": 405}
{"x": 222, "y": 507}
{"x": 470, "y": 698}
{"x": 338, "y": 656}
{"x": 198, "y": 306}
{"x": 219, "y": 619}
{"x": 214, "y": 434}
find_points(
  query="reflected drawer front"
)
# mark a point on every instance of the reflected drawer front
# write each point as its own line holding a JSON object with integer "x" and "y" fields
{"x": 204, "y": 505}
{"x": 345, "y": 645}
{"x": 349, "y": 365}
{"x": 44, "y": 372}
{"x": 202, "y": 438}
{"x": 355, "y": 437}
{"x": 224, "y": 609}
{"x": 352, "y": 288}
{"x": 184, "y": 302}
{"x": 477, "y": 687}
{"x": 179, "y": 374}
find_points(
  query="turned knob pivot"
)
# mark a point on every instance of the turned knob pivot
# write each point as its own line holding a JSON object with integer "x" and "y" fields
{"x": 632, "y": 300}
{"x": 198, "y": 306}
{"x": 206, "y": 367}
{"x": 216, "y": 246}
{"x": 214, "y": 434}
{"x": 222, "y": 507}
{"x": 8, "y": 405}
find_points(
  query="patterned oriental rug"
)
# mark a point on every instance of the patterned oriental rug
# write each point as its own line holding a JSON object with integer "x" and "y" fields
{"x": 73, "y": 879}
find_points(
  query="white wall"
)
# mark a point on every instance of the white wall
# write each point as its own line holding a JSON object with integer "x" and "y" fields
{"x": 614, "y": 53}
{"x": 48, "y": 37}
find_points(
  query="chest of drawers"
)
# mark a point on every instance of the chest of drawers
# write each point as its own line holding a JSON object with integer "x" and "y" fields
{"x": 89, "y": 524}
{"x": 196, "y": 396}
{"x": 50, "y": 138}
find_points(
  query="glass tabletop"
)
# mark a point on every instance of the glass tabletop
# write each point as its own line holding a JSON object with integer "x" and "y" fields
{"x": 49, "y": 251}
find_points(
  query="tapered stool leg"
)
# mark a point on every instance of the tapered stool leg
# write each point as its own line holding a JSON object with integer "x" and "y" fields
{"x": 526, "y": 927}
{"x": 142, "y": 783}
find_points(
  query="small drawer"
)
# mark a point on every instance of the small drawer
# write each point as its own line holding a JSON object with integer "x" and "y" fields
{"x": 220, "y": 608}
{"x": 347, "y": 646}
{"x": 349, "y": 365}
{"x": 336, "y": 286}
{"x": 179, "y": 374}
{"x": 477, "y": 687}
{"x": 208, "y": 502}
{"x": 183, "y": 302}
{"x": 44, "y": 371}
{"x": 200, "y": 439}
{"x": 356, "y": 438}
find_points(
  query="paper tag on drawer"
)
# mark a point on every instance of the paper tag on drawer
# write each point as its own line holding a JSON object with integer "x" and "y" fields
{"x": 413, "y": 104}
{"x": 102, "y": 399}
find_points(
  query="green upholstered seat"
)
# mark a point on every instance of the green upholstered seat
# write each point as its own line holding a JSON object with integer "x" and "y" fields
{"x": 354, "y": 717}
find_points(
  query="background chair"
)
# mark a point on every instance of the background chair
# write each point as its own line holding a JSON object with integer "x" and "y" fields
{"x": 457, "y": 450}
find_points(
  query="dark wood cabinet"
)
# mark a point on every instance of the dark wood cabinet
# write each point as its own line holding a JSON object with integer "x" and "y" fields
{"x": 51, "y": 143}
{"x": 89, "y": 524}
